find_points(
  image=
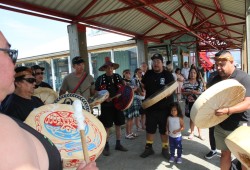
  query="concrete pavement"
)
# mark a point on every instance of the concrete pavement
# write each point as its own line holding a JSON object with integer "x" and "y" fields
{"x": 193, "y": 154}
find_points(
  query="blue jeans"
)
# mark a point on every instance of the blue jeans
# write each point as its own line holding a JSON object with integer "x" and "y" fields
{"x": 175, "y": 143}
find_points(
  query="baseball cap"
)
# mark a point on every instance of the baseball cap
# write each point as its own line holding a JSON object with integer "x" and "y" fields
{"x": 77, "y": 60}
{"x": 157, "y": 56}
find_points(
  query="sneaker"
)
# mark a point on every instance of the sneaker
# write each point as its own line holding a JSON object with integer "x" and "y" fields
{"x": 130, "y": 136}
{"x": 171, "y": 160}
{"x": 134, "y": 134}
{"x": 210, "y": 154}
{"x": 106, "y": 151}
{"x": 179, "y": 161}
{"x": 147, "y": 152}
{"x": 120, "y": 148}
{"x": 165, "y": 153}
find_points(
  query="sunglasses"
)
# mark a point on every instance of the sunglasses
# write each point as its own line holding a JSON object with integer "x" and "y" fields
{"x": 30, "y": 80}
{"x": 13, "y": 54}
{"x": 39, "y": 73}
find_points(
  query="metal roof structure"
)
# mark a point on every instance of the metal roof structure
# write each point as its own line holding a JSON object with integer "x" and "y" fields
{"x": 215, "y": 24}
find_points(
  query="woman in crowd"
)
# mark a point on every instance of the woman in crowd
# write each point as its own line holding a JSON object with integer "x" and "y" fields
{"x": 191, "y": 89}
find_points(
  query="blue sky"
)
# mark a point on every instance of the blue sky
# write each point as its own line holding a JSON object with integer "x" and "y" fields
{"x": 32, "y": 35}
{"x": 35, "y": 35}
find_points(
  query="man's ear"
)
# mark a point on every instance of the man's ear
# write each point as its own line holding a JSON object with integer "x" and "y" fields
{"x": 17, "y": 84}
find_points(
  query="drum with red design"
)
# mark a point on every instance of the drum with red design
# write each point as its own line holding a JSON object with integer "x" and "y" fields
{"x": 56, "y": 121}
{"x": 125, "y": 98}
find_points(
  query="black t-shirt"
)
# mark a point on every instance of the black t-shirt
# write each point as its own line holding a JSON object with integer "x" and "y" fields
{"x": 43, "y": 84}
{"x": 234, "y": 120}
{"x": 153, "y": 82}
{"x": 19, "y": 107}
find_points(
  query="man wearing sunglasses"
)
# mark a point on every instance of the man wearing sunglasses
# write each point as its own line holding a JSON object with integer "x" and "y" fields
{"x": 38, "y": 74}
{"x": 22, "y": 102}
{"x": 27, "y": 147}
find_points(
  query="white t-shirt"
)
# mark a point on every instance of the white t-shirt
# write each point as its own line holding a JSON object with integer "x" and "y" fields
{"x": 174, "y": 124}
{"x": 185, "y": 72}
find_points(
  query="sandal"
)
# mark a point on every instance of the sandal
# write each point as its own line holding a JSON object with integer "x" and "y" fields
{"x": 129, "y": 136}
{"x": 201, "y": 138}
{"x": 191, "y": 136}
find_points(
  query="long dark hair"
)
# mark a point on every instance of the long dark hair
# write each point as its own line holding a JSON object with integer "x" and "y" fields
{"x": 177, "y": 106}
{"x": 197, "y": 73}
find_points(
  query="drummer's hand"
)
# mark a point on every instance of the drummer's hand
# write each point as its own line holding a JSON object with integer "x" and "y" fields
{"x": 89, "y": 166}
{"x": 221, "y": 112}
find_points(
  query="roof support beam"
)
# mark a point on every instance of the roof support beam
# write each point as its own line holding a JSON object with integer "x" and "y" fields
{"x": 92, "y": 3}
{"x": 211, "y": 9}
{"x": 42, "y": 10}
{"x": 35, "y": 14}
{"x": 178, "y": 23}
{"x": 134, "y": 6}
{"x": 222, "y": 18}
{"x": 183, "y": 18}
{"x": 203, "y": 21}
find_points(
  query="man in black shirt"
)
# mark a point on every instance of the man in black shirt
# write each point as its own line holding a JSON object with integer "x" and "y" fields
{"x": 38, "y": 74}
{"x": 237, "y": 114}
{"x": 157, "y": 114}
{"x": 109, "y": 114}
{"x": 21, "y": 102}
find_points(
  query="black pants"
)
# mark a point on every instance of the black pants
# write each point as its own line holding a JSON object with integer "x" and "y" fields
{"x": 211, "y": 138}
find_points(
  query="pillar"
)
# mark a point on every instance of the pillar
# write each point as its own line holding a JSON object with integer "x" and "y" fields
{"x": 78, "y": 43}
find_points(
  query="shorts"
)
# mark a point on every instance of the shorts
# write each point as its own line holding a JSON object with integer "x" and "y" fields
{"x": 220, "y": 136}
{"x": 156, "y": 119}
{"x": 142, "y": 111}
{"x": 110, "y": 115}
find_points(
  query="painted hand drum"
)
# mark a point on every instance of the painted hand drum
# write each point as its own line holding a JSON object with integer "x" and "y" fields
{"x": 47, "y": 95}
{"x": 98, "y": 98}
{"x": 224, "y": 94}
{"x": 238, "y": 143}
{"x": 159, "y": 95}
{"x": 69, "y": 98}
{"x": 57, "y": 122}
{"x": 125, "y": 100}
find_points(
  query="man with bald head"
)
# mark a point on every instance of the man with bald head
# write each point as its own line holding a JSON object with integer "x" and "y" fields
{"x": 237, "y": 114}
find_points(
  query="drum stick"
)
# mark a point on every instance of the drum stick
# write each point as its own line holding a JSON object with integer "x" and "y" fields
{"x": 81, "y": 126}
{"x": 118, "y": 95}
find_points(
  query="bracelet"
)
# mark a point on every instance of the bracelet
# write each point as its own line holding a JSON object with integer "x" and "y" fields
{"x": 228, "y": 111}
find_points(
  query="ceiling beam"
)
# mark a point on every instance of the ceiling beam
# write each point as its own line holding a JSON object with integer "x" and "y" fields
{"x": 222, "y": 18}
{"x": 35, "y": 14}
{"x": 223, "y": 12}
{"x": 91, "y": 4}
{"x": 115, "y": 11}
{"x": 177, "y": 23}
{"x": 42, "y": 10}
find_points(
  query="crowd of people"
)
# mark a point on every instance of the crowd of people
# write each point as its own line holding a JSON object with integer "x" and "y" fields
{"x": 17, "y": 101}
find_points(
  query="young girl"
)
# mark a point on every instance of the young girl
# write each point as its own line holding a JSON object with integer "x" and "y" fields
{"x": 175, "y": 125}
{"x": 133, "y": 111}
